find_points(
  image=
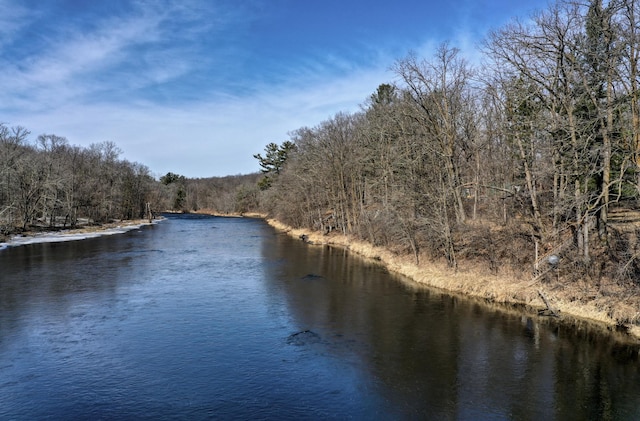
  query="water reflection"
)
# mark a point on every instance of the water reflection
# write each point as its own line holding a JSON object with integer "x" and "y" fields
{"x": 202, "y": 317}
{"x": 430, "y": 353}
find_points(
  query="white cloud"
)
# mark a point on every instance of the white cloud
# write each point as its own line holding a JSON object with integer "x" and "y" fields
{"x": 118, "y": 53}
{"x": 13, "y": 17}
{"x": 56, "y": 75}
{"x": 209, "y": 138}
{"x": 122, "y": 81}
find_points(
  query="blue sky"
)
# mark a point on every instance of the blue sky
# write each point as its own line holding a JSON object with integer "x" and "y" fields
{"x": 197, "y": 87}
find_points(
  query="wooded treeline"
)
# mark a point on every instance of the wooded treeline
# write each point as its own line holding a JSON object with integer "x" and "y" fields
{"x": 50, "y": 183}
{"x": 233, "y": 194}
{"x": 532, "y": 149}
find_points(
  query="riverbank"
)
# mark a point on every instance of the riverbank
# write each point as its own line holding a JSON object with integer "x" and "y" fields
{"x": 574, "y": 304}
{"x": 75, "y": 234}
{"x": 212, "y": 212}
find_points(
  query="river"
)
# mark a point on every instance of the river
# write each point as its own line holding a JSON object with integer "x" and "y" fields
{"x": 203, "y": 317}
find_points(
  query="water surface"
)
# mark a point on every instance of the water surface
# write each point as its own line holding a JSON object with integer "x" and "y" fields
{"x": 221, "y": 318}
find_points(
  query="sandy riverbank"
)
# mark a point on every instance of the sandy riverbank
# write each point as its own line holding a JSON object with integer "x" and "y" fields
{"x": 506, "y": 288}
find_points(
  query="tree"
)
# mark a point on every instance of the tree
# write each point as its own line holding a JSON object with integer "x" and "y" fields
{"x": 170, "y": 177}
{"x": 438, "y": 103}
{"x": 52, "y": 149}
{"x": 602, "y": 57}
{"x": 273, "y": 162}
{"x": 436, "y": 89}
{"x": 177, "y": 187}
{"x": 628, "y": 80}
{"x": 12, "y": 148}
{"x": 546, "y": 56}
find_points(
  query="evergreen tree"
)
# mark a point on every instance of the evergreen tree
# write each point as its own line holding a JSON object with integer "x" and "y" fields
{"x": 273, "y": 162}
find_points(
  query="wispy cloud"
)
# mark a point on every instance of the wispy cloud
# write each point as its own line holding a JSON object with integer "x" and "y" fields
{"x": 147, "y": 47}
{"x": 190, "y": 86}
{"x": 13, "y": 17}
{"x": 59, "y": 72}
{"x": 216, "y": 136}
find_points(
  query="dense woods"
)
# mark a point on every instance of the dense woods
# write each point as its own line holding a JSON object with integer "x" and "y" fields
{"x": 50, "y": 183}
{"x": 528, "y": 154}
{"x": 230, "y": 195}
{"x": 47, "y": 183}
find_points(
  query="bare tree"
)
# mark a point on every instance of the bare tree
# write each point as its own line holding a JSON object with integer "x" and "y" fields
{"x": 437, "y": 89}
{"x": 12, "y": 148}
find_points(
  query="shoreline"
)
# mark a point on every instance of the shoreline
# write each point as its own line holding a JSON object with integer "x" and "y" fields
{"x": 211, "y": 212}
{"x": 507, "y": 291}
{"x": 76, "y": 234}
{"x": 504, "y": 289}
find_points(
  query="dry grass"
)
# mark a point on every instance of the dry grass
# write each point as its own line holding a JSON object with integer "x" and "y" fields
{"x": 110, "y": 225}
{"x": 604, "y": 308}
{"x": 213, "y": 212}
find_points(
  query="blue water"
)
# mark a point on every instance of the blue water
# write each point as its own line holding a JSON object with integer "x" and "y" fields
{"x": 222, "y": 318}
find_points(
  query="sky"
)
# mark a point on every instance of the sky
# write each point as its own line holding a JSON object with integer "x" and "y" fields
{"x": 197, "y": 87}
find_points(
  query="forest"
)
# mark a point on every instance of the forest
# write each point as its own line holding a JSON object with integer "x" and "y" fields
{"x": 49, "y": 184}
{"x": 52, "y": 183}
{"x": 534, "y": 151}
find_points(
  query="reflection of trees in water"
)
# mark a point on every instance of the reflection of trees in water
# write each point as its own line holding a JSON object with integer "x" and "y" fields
{"x": 427, "y": 352}
{"x": 596, "y": 380}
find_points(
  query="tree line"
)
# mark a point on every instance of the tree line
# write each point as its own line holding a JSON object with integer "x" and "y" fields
{"x": 537, "y": 145}
{"x": 229, "y": 195}
{"x": 48, "y": 183}
{"x": 51, "y": 183}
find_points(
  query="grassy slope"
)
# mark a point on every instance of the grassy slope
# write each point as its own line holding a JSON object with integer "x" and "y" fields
{"x": 577, "y": 302}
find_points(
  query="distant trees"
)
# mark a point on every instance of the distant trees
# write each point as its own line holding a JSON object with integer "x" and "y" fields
{"x": 50, "y": 184}
{"x": 227, "y": 195}
{"x": 176, "y": 185}
{"x": 13, "y": 149}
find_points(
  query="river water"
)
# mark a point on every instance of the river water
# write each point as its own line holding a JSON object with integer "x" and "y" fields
{"x": 220, "y": 318}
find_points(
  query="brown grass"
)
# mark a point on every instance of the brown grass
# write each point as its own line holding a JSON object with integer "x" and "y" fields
{"x": 605, "y": 308}
{"x": 213, "y": 212}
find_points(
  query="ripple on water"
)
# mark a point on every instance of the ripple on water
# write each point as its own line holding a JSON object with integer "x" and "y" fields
{"x": 186, "y": 322}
